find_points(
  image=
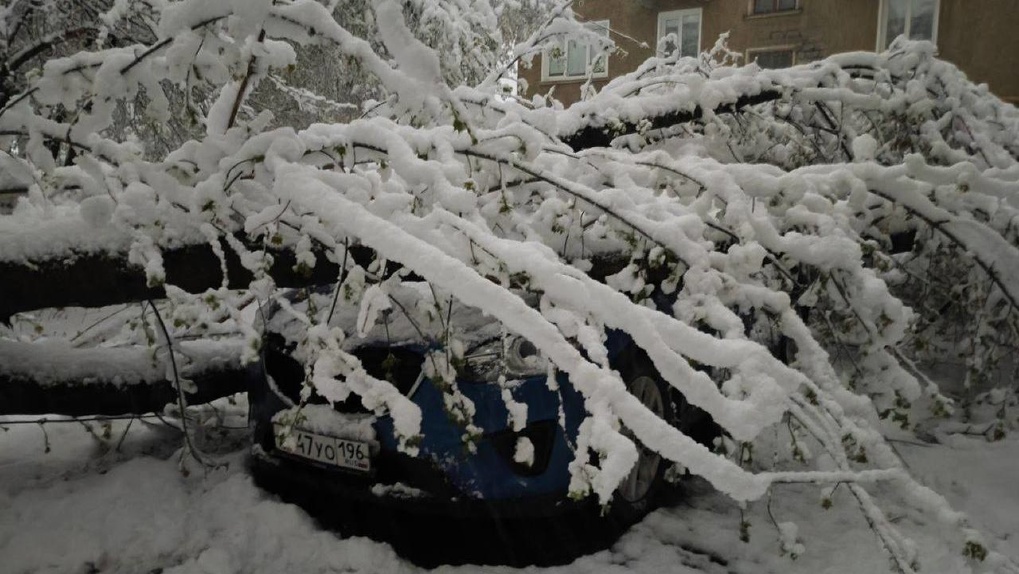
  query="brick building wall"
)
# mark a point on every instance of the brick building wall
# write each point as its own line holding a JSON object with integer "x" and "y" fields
{"x": 978, "y": 36}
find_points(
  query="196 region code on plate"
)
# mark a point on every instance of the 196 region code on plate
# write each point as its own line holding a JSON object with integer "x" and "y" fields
{"x": 343, "y": 453}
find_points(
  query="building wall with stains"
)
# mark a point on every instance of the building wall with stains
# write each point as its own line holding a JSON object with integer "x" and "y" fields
{"x": 982, "y": 38}
{"x": 979, "y": 36}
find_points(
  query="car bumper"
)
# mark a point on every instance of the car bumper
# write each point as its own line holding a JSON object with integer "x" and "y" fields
{"x": 430, "y": 530}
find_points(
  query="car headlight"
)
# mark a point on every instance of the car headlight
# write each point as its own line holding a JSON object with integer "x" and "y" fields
{"x": 511, "y": 356}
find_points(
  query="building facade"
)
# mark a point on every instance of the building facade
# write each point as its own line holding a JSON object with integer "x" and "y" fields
{"x": 979, "y": 36}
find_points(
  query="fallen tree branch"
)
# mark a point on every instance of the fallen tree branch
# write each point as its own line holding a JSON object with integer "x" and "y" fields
{"x": 599, "y": 134}
{"x": 54, "y": 377}
{"x": 22, "y": 396}
{"x": 100, "y": 279}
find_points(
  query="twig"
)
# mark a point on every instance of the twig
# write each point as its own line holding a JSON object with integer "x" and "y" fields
{"x": 339, "y": 282}
{"x": 244, "y": 84}
{"x": 181, "y": 400}
{"x": 124, "y": 435}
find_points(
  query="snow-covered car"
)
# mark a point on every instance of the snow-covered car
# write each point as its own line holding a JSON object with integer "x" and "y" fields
{"x": 504, "y": 470}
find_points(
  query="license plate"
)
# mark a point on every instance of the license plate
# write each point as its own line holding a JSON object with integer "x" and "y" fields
{"x": 343, "y": 453}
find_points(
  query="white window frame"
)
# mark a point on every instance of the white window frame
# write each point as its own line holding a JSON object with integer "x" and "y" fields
{"x": 882, "y": 22}
{"x": 662, "y": 16}
{"x": 565, "y": 77}
{"x": 752, "y": 52}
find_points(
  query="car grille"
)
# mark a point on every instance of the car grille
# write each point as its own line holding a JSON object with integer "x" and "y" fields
{"x": 398, "y": 365}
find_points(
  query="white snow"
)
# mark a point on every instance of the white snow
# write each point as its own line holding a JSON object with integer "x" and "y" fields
{"x": 83, "y": 505}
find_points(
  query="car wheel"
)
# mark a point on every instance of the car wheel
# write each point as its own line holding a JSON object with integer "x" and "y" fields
{"x": 641, "y": 491}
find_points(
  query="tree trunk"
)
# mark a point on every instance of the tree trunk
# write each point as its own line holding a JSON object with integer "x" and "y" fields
{"x": 98, "y": 280}
{"x": 22, "y": 396}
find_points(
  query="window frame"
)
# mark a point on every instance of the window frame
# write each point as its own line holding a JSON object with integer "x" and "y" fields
{"x": 752, "y": 8}
{"x": 753, "y": 52}
{"x": 565, "y": 77}
{"x": 882, "y": 23}
{"x": 662, "y": 16}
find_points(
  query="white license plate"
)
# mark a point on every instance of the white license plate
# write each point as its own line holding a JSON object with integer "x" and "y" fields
{"x": 329, "y": 450}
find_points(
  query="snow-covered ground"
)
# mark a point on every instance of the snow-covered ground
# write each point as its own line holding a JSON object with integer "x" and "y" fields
{"x": 84, "y": 507}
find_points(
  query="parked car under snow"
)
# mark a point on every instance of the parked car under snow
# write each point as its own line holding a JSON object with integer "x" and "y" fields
{"x": 494, "y": 449}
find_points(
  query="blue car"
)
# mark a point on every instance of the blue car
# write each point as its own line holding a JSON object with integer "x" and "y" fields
{"x": 502, "y": 468}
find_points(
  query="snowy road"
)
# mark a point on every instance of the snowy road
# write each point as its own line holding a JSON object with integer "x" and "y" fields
{"x": 77, "y": 510}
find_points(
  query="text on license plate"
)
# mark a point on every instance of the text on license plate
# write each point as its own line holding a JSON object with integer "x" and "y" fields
{"x": 339, "y": 452}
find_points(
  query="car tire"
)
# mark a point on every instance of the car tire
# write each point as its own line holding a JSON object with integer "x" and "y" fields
{"x": 641, "y": 491}
{"x": 646, "y": 488}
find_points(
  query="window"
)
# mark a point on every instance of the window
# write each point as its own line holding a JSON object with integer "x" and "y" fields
{"x": 574, "y": 59}
{"x": 915, "y": 19}
{"x": 772, "y": 58}
{"x": 769, "y": 6}
{"x": 680, "y": 28}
